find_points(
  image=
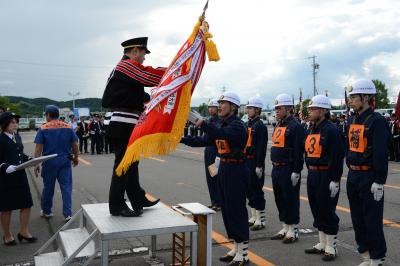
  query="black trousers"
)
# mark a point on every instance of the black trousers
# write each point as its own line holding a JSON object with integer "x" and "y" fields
{"x": 128, "y": 182}
{"x": 323, "y": 207}
{"x": 287, "y": 197}
{"x": 95, "y": 141}
{"x": 366, "y": 214}
{"x": 108, "y": 146}
{"x": 82, "y": 144}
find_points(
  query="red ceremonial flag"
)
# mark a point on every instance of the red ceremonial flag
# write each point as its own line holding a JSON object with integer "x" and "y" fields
{"x": 160, "y": 127}
{"x": 398, "y": 106}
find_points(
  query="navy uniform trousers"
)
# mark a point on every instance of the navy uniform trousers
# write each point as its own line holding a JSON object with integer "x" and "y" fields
{"x": 232, "y": 184}
{"x": 366, "y": 214}
{"x": 287, "y": 197}
{"x": 255, "y": 193}
{"x": 323, "y": 207}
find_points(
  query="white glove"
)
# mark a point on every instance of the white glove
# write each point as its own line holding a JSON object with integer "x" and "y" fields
{"x": 377, "y": 190}
{"x": 259, "y": 172}
{"x": 295, "y": 178}
{"x": 11, "y": 169}
{"x": 217, "y": 161}
{"x": 334, "y": 188}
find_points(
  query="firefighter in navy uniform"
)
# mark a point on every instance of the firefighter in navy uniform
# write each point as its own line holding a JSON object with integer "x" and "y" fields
{"x": 230, "y": 140}
{"x": 367, "y": 160}
{"x": 210, "y": 153}
{"x": 287, "y": 159}
{"x": 256, "y": 151}
{"x": 125, "y": 96}
{"x": 324, "y": 154}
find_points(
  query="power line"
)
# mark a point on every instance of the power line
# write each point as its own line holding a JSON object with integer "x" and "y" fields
{"x": 315, "y": 67}
{"x": 49, "y": 64}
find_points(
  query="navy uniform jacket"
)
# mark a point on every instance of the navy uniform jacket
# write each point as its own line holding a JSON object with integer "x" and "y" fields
{"x": 332, "y": 149}
{"x": 376, "y": 153}
{"x": 292, "y": 152}
{"x": 12, "y": 154}
{"x": 231, "y": 129}
{"x": 203, "y": 141}
{"x": 259, "y": 141}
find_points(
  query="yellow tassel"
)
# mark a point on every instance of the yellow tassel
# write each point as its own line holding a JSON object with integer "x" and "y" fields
{"x": 212, "y": 51}
{"x": 159, "y": 143}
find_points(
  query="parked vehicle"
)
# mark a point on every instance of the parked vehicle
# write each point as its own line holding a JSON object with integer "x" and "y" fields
{"x": 23, "y": 123}
{"x": 39, "y": 122}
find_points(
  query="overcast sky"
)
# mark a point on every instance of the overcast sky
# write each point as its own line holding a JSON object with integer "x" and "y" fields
{"x": 48, "y": 48}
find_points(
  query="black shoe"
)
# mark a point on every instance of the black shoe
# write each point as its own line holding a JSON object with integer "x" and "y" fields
{"x": 238, "y": 263}
{"x": 9, "y": 243}
{"x": 128, "y": 213}
{"x": 278, "y": 237}
{"x": 226, "y": 258}
{"x": 31, "y": 239}
{"x": 289, "y": 240}
{"x": 147, "y": 203}
{"x": 314, "y": 250}
{"x": 328, "y": 257}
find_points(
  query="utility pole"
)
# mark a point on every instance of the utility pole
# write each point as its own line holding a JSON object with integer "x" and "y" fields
{"x": 315, "y": 67}
{"x": 73, "y": 95}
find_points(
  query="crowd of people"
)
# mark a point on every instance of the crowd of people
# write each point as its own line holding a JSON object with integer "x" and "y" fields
{"x": 235, "y": 170}
{"x": 92, "y": 133}
{"x": 235, "y": 161}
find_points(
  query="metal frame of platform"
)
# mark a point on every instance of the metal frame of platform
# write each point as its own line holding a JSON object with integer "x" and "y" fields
{"x": 159, "y": 220}
{"x": 97, "y": 227}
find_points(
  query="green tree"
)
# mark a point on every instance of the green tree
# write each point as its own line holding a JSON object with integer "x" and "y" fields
{"x": 381, "y": 98}
{"x": 304, "y": 111}
{"x": 13, "y": 107}
{"x": 203, "y": 109}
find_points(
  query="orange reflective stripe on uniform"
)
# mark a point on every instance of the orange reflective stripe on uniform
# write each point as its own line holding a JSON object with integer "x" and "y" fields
{"x": 222, "y": 146}
{"x": 55, "y": 124}
{"x": 313, "y": 147}
{"x": 249, "y": 137}
{"x": 278, "y": 138}
{"x": 357, "y": 140}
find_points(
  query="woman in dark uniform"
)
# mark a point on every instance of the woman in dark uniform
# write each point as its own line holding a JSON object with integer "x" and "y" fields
{"x": 14, "y": 187}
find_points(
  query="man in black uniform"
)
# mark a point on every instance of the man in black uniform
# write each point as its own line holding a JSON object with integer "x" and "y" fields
{"x": 95, "y": 129}
{"x": 125, "y": 97}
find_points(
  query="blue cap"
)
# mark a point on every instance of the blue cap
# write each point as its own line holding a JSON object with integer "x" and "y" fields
{"x": 52, "y": 110}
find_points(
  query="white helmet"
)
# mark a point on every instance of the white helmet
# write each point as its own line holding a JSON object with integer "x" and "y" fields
{"x": 320, "y": 101}
{"x": 255, "y": 102}
{"x": 283, "y": 100}
{"x": 213, "y": 103}
{"x": 362, "y": 86}
{"x": 230, "y": 97}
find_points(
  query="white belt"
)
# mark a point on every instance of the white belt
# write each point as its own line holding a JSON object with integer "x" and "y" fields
{"x": 124, "y": 119}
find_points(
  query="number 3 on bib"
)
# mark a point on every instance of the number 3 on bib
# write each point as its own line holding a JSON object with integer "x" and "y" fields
{"x": 313, "y": 148}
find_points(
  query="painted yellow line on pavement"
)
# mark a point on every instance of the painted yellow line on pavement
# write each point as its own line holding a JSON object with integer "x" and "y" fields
{"x": 223, "y": 241}
{"x": 156, "y": 159}
{"x": 343, "y": 209}
{"x": 192, "y": 152}
{"x": 84, "y": 161}
{"x": 386, "y": 185}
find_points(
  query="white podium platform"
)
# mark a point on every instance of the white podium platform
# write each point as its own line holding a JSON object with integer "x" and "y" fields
{"x": 98, "y": 227}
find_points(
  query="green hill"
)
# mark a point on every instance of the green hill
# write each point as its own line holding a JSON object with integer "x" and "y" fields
{"x": 35, "y": 106}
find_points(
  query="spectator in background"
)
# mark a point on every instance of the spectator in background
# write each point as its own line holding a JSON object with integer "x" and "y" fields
{"x": 95, "y": 129}
{"x": 15, "y": 193}
{"x": 56, "y": 137}
{"x": 83, "y": 134}
{"x": 73, "y": 123}
{"x": 108, "y": 147}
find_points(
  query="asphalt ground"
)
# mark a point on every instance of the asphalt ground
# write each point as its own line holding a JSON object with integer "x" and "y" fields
{"x": 178, "y": 178}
